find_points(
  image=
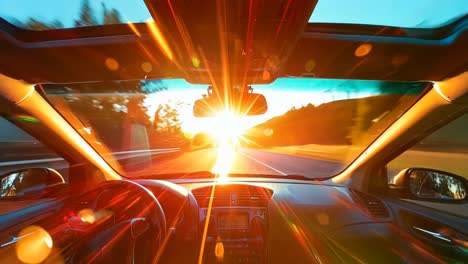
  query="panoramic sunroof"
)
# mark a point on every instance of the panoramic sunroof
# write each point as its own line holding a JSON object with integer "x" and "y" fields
{"x": 395, "y": 13}
{"x": 53, "y": 14}
{"x": 47, "y": 14}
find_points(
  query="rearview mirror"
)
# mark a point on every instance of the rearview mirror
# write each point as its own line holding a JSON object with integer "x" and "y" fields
{"x": 429, "y": 184}
{"x": 242, "y": 103}
{"x": 31, "y": 182}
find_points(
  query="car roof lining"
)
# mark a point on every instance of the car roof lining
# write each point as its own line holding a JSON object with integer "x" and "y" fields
{"x": 332, "y": 56}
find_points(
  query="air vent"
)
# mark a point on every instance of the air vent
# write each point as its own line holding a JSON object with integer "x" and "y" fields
{"x": 233, "y": 195}
{"x": 371, "y": 205}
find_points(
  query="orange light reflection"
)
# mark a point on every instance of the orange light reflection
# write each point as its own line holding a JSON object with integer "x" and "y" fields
{"x": 159, "y": 38}
{"x": 205, "y": 228}
{"x": 225, "y": 156}
{"x": 133, "y": 28}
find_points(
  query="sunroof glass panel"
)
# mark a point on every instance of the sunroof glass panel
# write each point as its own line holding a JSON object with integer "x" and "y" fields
{"x": 397, "y": 13}
{"x": 54, "y": 14}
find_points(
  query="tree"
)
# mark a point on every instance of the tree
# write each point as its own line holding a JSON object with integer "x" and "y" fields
{"x": 111, "y": 16}
{"x": 86, "y": 17}
{"x": 167, "y": 120}
{"x": 35, "y": 24}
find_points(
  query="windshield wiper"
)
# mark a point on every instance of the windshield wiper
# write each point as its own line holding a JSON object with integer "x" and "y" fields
{"x": 210, "y": 175}
{"x": 181, "y": 175}
{"x": 277, "y": 176}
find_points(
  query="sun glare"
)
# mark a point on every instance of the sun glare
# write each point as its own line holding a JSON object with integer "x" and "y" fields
{"x": 224, "y": 160}
{"x": 227, "y": 129}
{"x": 227, "y": 126}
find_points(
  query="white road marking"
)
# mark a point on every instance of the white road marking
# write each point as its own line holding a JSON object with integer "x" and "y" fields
{"x": 266, "y": 165}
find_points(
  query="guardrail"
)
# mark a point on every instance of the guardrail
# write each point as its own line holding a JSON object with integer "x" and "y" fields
{"x": 60, "y": 164}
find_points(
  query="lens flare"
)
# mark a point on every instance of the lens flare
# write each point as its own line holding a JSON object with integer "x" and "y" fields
{"x": 363, "y": 50}
{"x": 196, "y": 62}
{"x": 27, "y": 118}
{"x": 146, "y": 67}
{"x": 219, "y": 251}
{"x": 34, "y": 245}
{"x": 112, "y": 64}
{"x": 87, "y": 216}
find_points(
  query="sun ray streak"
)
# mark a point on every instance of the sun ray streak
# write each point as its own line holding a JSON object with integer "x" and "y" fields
{"x": 160, "y": 39}
{"x": 205, "y": 228}
{"x": 133, "y": 28}
{"x": 220, "y": 12}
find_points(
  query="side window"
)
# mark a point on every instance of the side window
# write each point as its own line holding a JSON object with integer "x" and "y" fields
{"x": 440, "y": 157}
{"x": 18, "y": 150}
{"x": 446, "y": 149}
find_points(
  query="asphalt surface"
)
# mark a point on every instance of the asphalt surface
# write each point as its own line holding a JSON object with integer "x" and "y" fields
{"x": 243, "y": 161}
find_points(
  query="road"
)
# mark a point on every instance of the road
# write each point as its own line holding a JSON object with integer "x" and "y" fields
{"x": 247, "y": 161}
{"x": 168, "y": 161}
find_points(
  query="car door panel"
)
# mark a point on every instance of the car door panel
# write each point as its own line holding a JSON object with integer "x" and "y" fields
{"x": 422, "y": 231}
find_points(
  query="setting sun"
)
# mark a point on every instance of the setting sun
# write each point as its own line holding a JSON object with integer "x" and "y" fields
{"x": 226, "y": 126}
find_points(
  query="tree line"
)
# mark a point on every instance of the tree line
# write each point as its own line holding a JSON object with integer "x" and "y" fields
{"x": 86, "y": 17}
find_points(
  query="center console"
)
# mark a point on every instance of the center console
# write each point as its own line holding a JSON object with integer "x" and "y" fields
{"x": 234, "y": 219}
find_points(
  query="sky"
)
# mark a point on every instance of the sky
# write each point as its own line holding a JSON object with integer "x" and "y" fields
{"x": 404, "y": 13}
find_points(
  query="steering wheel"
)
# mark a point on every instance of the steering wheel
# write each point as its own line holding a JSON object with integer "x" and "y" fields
{"x": 132, "y": 227}
{"x": 154, "y": 209}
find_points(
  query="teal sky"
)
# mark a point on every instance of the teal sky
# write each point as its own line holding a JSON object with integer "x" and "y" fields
{"x": 404, "y": 13}
{"x": 314, "y": 85}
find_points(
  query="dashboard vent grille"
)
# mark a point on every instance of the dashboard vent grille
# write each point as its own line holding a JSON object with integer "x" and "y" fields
{"x": 370, "y": 204}
{"x": 233, "y": 195}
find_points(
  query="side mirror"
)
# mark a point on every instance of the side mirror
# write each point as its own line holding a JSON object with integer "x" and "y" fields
{"x": 31, "y": 182}
{"x": 430, "y": 185}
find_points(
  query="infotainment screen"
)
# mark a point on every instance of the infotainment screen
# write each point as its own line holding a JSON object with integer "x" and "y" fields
{"x": 233, "y": 221}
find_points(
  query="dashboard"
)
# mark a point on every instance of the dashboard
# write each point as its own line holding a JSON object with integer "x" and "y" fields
{"x": 239, "y": 221}
{"x": 236, "y": 217}
{"x": 249, "y": 221}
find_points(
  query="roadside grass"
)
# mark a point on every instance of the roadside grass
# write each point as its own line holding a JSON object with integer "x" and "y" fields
{"x": 453, "y": 162}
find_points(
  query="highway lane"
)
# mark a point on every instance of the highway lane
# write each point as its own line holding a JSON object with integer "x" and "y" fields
{"x": 243, "y": 161}
{"x": 169, "y": 161}
{"x": 286, "y": 164}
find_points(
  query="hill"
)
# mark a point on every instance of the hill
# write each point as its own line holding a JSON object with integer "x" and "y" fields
{"x": 335, "y": 123}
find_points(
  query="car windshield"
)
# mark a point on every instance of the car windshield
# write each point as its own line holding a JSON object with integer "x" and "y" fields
{"x": 50, "y": 14}
{"x": 313, "y": 127}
